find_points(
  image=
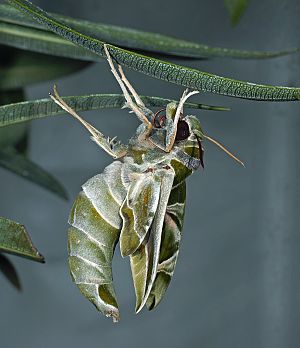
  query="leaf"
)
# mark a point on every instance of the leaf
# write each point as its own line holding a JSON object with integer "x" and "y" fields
{"x": 173, "y": 73}
{"x": 16, "y": 135}
{"x": 30, "y": 110}
{"x": 41, "y": 41}
{"x": 236, "y": 9}
{"x": 12, "y": 96}
{"x": 23, "y": 143}
{"x": 13, "y": 147}
{"x": 125, "y": 37}
{"x": 19, "y": 164}
{"x": 23, "y": 68}
{"x": 11, "y": 135}
{"x": 14, "y": 239}
{"x": 9, "y": 271}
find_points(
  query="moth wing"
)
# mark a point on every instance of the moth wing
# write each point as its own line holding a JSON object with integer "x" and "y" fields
{"x": 171, "y": 236}
{"x": 95, "y": 227}
{"x": 138, "y": 210}
{"x": 144, "y": 261}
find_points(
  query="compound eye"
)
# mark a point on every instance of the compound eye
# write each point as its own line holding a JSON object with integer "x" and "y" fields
{"x": 159, "y": 120}
{"x": 183, "y": 131}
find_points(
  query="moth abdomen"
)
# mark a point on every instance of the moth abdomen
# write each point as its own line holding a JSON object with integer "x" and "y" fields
{"x": 95, "y": 228}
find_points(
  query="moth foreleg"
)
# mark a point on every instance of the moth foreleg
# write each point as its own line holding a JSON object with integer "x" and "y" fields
{"x": 111, "y": 146}
{"x": 138, "y": 108}
{"x": 137, "y": 98}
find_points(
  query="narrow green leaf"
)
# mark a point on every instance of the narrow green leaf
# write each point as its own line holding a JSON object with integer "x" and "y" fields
{"x": 16, "y": 135}
{"x": 236, "y": 9}
{"x": 13, "y": 146}
{"x": 30, "y": 110}
{"x": 14, "y": 239}
{"x": 12, "y": 135}
{"x": 23, "y": 68}
{"x": 181, "y": 75}
{"x": 11, "y": 96}
{"x": 9, "y": 271}
{"x": 41, "y": 41}
{"x": 125, "y": 37}
{"x": 22, "y": 145}
{"x": 11, "y": 160}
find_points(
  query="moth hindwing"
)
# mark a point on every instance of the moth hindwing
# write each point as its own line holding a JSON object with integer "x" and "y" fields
{"x": 138, "y": 200}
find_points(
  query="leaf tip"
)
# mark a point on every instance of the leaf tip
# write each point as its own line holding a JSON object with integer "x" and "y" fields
{"x": 39, "y": 258}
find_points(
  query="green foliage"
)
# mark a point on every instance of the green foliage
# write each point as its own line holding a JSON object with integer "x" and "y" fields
{"x": 236, "y": 9}
{"x": 41, "y": 41}
{"x": 22, "y": 68}
{"x": 30, "y": 110}
{"x": 9, "y": 271}
{"x": 181, "y": 75}
{"x": 13, "y": 150}
{"x": 19, "y": 30}
{"x": 12, "y": 135}
{"x": 61, "y": 45}
{"x": 19, "y": 164}
{"x": 14, "y": 239}
{"x": 18, "y": 69}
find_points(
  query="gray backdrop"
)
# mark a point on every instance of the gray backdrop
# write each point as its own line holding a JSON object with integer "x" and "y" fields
{"x": 237, "y": 279}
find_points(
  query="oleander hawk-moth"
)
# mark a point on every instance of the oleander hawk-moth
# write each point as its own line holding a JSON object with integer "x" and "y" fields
{"x": 138, "y": 201}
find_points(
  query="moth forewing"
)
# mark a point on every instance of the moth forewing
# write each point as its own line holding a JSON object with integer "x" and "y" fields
{"x": 171, "y": 236}
{"x": 153, "y": 244}
{"x": 148, "y": 196}
{"x": 138, "y": 211}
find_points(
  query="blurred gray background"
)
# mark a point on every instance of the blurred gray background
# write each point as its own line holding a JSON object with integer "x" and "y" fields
{"x": 237, "y": 280}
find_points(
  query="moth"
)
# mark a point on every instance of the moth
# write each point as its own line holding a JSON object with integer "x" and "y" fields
{"x": 138, "y": 201}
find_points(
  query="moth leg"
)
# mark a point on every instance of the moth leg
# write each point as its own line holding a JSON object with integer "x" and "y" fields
{"x": 137, "y": 98}
{"x": 172, "y": 130}
{"x": 111, "y": 146}
{"x": 138, "y": 109}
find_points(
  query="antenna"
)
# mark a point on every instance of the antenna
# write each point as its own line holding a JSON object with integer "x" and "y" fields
{"x": 224, "y": 149}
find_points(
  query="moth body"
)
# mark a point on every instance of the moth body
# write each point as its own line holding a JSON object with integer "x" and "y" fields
{"x": 138, "y": 201}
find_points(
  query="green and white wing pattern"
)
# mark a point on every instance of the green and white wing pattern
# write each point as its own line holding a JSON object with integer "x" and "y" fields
{"x": 95, "y": 226}
{"x": 171, "y": 236}
{"x": 145, "y": 212}
{"x": 145, "y": 260}
{"x": 138, "y": 210}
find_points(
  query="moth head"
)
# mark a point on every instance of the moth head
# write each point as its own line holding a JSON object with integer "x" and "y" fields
{"x": 188, "y": 131}
{"x": 189, "y": 137}
{"x": 185, "y": 131}
{"x": 187, "y": 126}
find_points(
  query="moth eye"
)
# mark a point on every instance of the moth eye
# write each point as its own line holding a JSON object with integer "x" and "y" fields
{"x": 159, "y": 120}
{"x": 183, "y": 131}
